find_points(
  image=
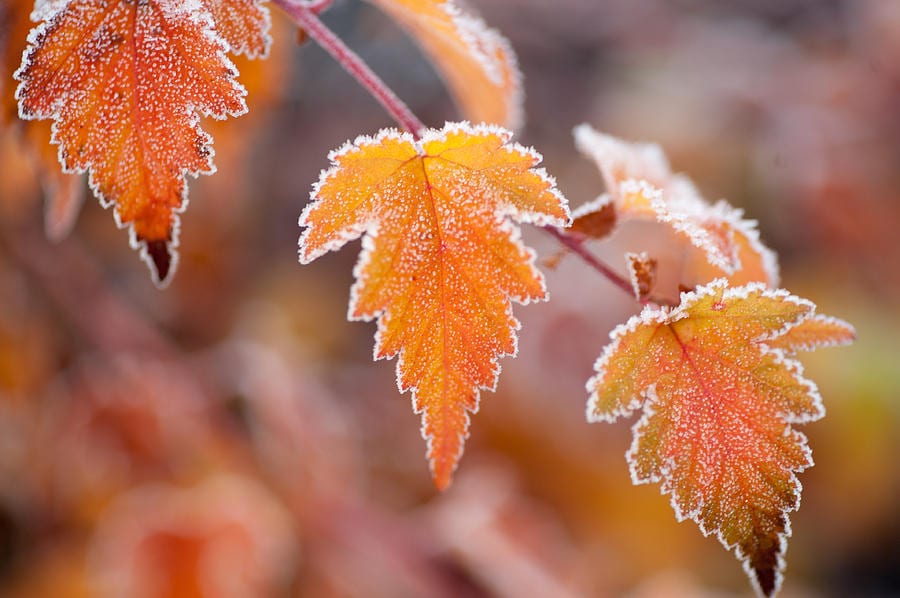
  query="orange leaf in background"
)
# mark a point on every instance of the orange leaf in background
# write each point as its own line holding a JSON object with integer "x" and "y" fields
{"x": 475, "y": 61}
{"x": 642, "y": 187}
{"x": 621, "y": 161}
{"x": 440, "y": 261}
{"x": 243, "y": 24}
{"x": 14, "y": 26}
{"x": 64, "y": 193}
{"x": 758, "y": 262}
{"x": 124, "y": 82}
{"x": 225, "y": 536}
{"x": 718, "y": 402}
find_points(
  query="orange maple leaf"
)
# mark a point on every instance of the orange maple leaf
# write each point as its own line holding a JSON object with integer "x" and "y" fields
{"x": 125, "y": 82}
{"x": 440, "y": 261}
{"x": 243, "y": 24}
{"x": 477, "y": 62}
{"x": 719, "y": 398}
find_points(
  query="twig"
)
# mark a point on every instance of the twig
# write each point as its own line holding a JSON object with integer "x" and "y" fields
{"x": 304, "y": 15}
{"x": 577, "y": 247}
{"x": 318, "y": 6}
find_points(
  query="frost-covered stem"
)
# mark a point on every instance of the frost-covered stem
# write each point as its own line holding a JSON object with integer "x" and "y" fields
{"x": 318, "y": 6}
{"x": 305, "y": 17}
{"x": 577, "y": 247}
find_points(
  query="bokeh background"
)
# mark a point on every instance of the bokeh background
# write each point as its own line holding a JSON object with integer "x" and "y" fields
{"x": 230, "y": 436}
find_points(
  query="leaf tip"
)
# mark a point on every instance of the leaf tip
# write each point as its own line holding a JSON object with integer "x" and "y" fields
{"x": 162, "y": 260}
{"x": 443, "y": 464}
{"x": 765, "y": 568}
{"x": 442, "y": 477}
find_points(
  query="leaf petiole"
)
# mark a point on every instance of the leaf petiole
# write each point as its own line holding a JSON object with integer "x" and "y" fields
{"x": 577, "y": 247}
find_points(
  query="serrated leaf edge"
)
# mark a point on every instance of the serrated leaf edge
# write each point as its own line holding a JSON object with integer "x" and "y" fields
{"x": 648, "y": 398}
{"x": 45, "y": 14}
{"x": 427, "y": 136}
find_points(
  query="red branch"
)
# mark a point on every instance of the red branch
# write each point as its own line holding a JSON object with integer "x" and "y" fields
{"x": 577, "y": 247}
{"x": 305, "y": 16}
{"x": 318, "y": 6}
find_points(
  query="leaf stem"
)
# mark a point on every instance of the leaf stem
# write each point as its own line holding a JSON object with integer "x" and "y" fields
{"x": 318, "y": 6}
{"x": 304, "y": 15}
{"x": 576, "y": 246}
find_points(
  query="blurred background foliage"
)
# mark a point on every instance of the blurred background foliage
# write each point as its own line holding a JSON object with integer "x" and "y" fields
{"x": 229, "y": 436}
